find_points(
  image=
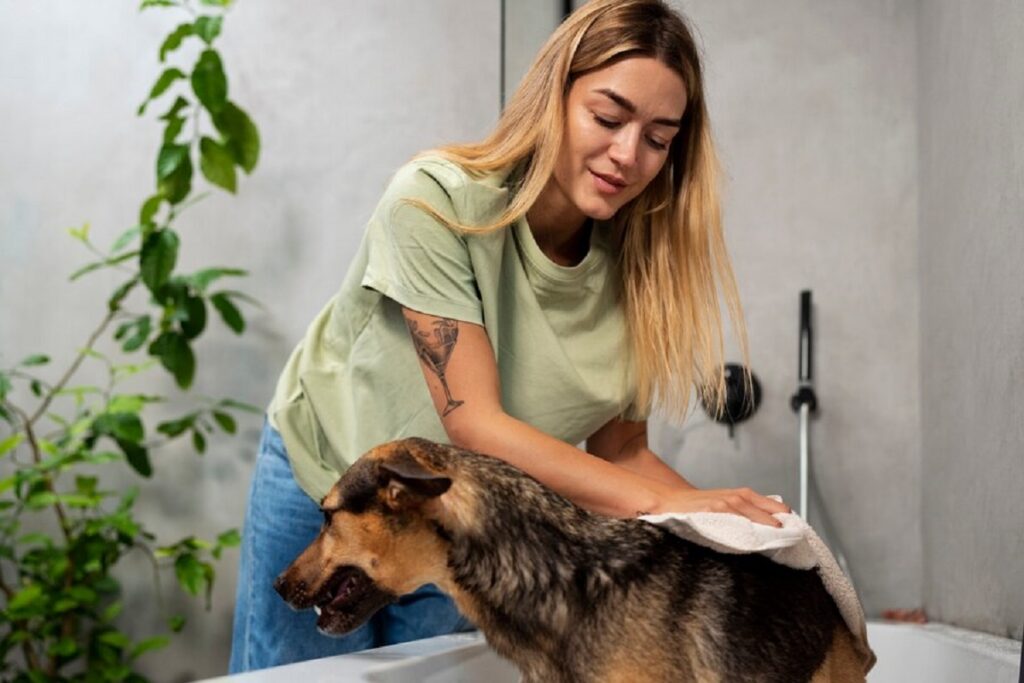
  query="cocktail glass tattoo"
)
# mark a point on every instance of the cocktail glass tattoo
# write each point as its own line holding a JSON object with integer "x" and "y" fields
{"x": 435, "y": 350}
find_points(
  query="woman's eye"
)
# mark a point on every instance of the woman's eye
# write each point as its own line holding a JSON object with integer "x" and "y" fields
{"x": 607, "y": 123}
{"x": 656, "y": 144}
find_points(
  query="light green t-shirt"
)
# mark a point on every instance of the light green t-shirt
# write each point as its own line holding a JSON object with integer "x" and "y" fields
{"x": 558, "y": 333}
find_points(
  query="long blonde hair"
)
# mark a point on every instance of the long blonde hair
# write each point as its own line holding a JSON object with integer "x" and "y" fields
{"x": 672, "y": 255}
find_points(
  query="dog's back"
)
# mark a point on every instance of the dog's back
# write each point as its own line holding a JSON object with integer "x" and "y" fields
{"x": 571, "y": 596}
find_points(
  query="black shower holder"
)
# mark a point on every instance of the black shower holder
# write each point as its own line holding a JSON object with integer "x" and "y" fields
{"x": 740, "y": 403}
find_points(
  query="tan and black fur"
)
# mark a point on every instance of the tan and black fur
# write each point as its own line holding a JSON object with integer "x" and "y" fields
{"x": 566, "y": 595}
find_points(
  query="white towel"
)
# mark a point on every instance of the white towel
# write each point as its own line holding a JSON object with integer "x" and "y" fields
{"x": 794, "y": 544}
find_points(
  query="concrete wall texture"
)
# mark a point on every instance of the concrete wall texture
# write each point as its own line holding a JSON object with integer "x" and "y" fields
{"x": 814, "y": 114}
{"x": 871, "y": 153}
{"x": 971, "y": 179}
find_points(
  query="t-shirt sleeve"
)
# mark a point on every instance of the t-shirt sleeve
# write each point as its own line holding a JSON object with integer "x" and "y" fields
{"x": 413, "y": 258}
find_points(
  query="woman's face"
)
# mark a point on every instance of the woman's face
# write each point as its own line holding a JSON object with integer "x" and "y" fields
{"x": 620, "y": 121}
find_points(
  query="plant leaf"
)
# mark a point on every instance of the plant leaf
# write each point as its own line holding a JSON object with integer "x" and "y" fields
{"x": 173, "y": 41}
{"x": 152, "y": 204}
{"x": 173, "y": 129}
{"x": 201, "y": 279}
{"x": 241, "y": 136}
{"x": 112, "y": 261}
{"x": 217, "y": 163}
{"x": 226, "y": 422}
{"x": 174, "y": 172}
{"x": 115, "y": 638}
{"x": 120, "y": 293}
{"x": 230, "y": 314}
{"x": 175, "y": 354}
{"x": 25, "y": 597}
{"x": 179, "y": 104}
{"x": 230, "y": 538}
{"x": 208, "y": 81}
{"x": 10, "y": 443}
{"x": 166, "y": 79}
{"x": 168, "y": 160}
{"x": 173, "y": 428}
{"x": 198, "y": 441}
{"x": 142, "y": 326}
{"x": 144, "y": 646}
{"x": 81, "y": 234}
{"x": 137, "y": 456}
{"x": 125, "y": 238}
{"x": 121, "y": 426}
{"x": 159, "y": 254}
{"x": 189, "y": 571}
{"x": 208, "y": 28}
{"x": 195, "y": 317}
{"x": 248, "y": 407}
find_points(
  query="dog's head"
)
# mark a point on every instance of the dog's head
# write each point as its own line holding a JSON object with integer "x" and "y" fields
{"x": 381, "y": 536}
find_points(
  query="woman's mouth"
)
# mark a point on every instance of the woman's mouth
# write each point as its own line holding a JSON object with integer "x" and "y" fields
{"x": 606, "y": 184}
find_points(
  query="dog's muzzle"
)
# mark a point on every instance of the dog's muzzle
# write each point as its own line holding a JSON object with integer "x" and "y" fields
{"x": 343, "y": 603}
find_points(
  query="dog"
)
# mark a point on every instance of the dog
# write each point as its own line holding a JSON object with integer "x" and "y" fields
{"x": 566, "y": 595}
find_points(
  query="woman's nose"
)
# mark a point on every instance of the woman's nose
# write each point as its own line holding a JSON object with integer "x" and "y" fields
{"x": 624, "y": 147}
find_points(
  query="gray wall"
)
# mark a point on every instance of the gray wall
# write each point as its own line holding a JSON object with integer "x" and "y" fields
{"x": 814, "y": 113}
{"x": 971, "y": 105}
{"x": 343, "y": 93}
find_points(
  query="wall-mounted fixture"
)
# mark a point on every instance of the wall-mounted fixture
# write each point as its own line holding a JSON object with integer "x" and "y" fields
{"x": 741, "y": 401}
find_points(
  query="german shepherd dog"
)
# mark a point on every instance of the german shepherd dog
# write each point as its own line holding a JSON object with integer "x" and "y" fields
{"x": 566, "y": 595}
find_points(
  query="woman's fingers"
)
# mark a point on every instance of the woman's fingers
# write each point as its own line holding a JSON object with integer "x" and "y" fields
{"x": 750, "y": 504}
{"x": 754, "y": 513}
{"x": 765, "y": 503}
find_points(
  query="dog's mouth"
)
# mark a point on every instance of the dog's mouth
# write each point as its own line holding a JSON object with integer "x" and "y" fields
{"x": 348, "y": 599}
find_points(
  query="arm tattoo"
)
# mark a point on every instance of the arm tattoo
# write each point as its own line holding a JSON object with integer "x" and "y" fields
{"x": 435, "y": 350}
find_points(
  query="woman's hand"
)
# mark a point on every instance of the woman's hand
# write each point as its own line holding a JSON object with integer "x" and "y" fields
{"x": 742, "y": 501}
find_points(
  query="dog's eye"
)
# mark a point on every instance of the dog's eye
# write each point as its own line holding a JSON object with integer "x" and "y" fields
{"x": 327, "y": 517}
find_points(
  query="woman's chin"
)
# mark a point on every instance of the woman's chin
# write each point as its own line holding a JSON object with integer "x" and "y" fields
{"x": 599, "y": 211}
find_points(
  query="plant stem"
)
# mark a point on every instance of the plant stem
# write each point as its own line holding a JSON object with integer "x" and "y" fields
{"x": 26, "y": 648}
{"x": 65, "y": 527}
{"x": 71, "y": 371}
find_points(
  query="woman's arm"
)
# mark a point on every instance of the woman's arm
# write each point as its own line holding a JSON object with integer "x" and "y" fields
{"x": 624, "y": 443}
{"x": 462, "y": 376}
{"x": 466, "y": 392}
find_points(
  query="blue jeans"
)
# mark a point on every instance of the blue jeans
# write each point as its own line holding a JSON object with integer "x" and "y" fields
{"x": 281, "y": 520}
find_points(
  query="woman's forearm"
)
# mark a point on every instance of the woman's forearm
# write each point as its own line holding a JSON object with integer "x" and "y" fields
{"x": 645, "y": 462}
{"x": 587, "y": 480}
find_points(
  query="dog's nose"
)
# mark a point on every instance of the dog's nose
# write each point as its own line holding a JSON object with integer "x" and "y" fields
{"x": 281, "y": 586}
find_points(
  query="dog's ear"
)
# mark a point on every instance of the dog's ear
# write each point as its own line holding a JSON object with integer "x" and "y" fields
{"x": 407, "y": 483}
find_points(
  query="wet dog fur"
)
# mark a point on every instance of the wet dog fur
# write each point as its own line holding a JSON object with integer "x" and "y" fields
{"x": 566, "y": 595}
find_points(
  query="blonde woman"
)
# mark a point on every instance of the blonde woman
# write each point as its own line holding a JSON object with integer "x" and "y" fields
{"x": 545, "y": 287}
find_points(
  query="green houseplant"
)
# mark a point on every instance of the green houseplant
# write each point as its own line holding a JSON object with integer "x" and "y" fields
{"x": 62, "y": 530}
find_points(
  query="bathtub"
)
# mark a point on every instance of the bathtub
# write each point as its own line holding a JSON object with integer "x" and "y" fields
{"x": 906, "y": 654}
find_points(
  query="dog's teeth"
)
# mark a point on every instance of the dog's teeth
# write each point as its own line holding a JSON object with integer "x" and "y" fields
{"x": 316, "y": 609}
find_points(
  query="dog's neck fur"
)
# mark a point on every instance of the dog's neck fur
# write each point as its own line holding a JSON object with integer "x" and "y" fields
{"x": 583, "y": 556}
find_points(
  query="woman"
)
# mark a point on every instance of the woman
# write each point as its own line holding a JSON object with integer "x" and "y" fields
{"x": 550, "y": 284}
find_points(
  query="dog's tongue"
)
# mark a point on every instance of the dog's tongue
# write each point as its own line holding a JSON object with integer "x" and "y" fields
{"x": 344, "y": 591}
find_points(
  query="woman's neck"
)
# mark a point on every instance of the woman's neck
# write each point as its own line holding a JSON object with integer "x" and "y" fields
{"x": 560, "y": 229}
